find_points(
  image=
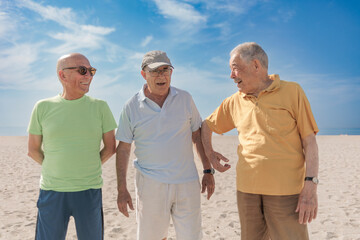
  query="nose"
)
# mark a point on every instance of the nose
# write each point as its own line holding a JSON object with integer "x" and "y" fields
{"x": 232, "y": 74}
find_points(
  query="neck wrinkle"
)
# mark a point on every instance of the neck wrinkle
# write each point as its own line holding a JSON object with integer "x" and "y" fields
{"x": 158, "y": 99}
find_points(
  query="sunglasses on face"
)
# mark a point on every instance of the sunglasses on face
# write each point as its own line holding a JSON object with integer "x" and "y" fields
{"x": 83, "y": 70}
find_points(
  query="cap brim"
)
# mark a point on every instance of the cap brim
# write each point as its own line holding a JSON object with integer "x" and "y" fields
{"x": 154, "y": 66}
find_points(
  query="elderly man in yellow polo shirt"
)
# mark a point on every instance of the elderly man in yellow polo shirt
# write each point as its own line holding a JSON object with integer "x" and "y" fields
{"x": 278, "y": 160}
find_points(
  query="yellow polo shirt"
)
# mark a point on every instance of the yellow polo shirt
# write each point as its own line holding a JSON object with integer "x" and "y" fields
{"x": 270, "y": 128}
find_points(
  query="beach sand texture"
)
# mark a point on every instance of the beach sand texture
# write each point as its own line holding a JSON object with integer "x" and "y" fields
{"x": 339, "y": 194}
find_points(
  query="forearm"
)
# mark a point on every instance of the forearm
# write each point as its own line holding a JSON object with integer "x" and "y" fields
{"x": 122, "y": 162}
{"x": 34, "y": 148}
{"x": 106, "y": 153}
{"x": 206, "y": 135}
{"x": 109, "y": 146}
{"x": 200, "y": 149}
{"x": 311, "y": 156}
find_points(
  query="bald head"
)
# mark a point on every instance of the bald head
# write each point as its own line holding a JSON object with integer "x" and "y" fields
{"x": 68, "y": 60}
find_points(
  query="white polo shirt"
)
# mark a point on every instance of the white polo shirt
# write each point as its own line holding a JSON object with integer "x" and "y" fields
{"x": 163, "y": 136}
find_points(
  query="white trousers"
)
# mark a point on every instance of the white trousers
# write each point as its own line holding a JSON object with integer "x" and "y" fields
{"x": 156, "y": 202}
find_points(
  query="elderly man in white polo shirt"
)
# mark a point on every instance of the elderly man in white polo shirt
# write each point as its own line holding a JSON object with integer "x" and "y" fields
{"x": 163, "y": 121}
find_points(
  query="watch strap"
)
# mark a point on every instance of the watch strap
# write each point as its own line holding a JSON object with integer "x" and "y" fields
{"x": 312, "y": 179}
{"x": 210, "y": 170}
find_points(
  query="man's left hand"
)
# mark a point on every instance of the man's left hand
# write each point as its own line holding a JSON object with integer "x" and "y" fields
{"x": 308, "y": 204}
{"x": 208, "y": 183}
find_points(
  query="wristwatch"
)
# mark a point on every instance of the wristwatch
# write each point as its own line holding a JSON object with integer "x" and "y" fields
{"x": 313, "y": 179}
{"x": 211, "y": 171}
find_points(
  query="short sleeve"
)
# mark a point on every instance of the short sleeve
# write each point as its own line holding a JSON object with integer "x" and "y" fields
{"x": 109, "y": 122}
{"x": 195, "y": 116}
{"x": 124, "y": 132}
{"x": 221, "y": 121}
{"x": 35, "y": 123}
{"x": 304, "y": 117}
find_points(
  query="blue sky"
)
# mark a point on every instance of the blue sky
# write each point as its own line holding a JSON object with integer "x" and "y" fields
{"x": 315, "y": 43}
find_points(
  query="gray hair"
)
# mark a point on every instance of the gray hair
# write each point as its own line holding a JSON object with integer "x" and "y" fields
{"x": 249, "y": 51}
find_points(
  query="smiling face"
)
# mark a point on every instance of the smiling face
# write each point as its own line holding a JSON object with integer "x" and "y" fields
{"x": 75, "y": 85}
{"x": 159, "y": 85}
{"x": 244, "y": 74}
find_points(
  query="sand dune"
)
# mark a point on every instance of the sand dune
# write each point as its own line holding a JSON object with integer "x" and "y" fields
{"x": 339, "y": 194}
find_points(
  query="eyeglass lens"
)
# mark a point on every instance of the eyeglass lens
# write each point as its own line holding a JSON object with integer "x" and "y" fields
{"x": 158, "y": 72}
{"x": 83, "y": 70}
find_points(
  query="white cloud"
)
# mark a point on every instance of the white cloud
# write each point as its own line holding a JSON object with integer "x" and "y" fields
{"x": 180, "y": 11}
{"x": 64, "y": 16}
{"x": 96, "y": 29}
{"x": 219, "y": 60}
{"x": 16, "y": 66}
{"x": 76, "y": 36}
{"x": 146, "y": 41}
{"x": 7, "y": 26}
{"x": 228, "y": 6}
{"x": 25, "y": 64}
{"x": 184, "y": 19}
{"x": 75, "y": 41}
{"x": 283, "y": 15}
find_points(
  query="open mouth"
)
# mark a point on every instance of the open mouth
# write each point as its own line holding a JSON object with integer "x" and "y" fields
{"x": 237, "y": 80}
{"x": 160, "y": 84}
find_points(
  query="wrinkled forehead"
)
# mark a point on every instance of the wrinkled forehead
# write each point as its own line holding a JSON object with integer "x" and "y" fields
{"x": 235, "y": 60}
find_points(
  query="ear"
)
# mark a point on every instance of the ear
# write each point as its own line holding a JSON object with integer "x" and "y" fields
{"x": 257, "y": 64}
{"x": 62, "y": 76}
{"x": 143, "y": 74}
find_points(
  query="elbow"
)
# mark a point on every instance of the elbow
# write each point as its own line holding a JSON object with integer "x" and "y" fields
{"x": 31, "y": 154}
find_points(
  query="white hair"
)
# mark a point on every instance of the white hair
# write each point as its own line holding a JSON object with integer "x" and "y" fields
{"x": 249, "y": 51}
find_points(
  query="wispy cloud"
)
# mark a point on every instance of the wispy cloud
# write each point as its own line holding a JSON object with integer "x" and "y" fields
{"x": 183, "y": 18}
{"x": 283, "y": 15}
{"x": 6, "y": 24}
{"x": 146, "y": 41}
{"x": 180, "y": 11}
{"x": 16, "y": 66}
{"x": 64, "y": 16}
{"x": 229, "y": 6}
{"x": 76, "y": 36}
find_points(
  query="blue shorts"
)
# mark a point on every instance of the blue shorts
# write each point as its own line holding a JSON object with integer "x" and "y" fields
{"x": 55, "y": 209}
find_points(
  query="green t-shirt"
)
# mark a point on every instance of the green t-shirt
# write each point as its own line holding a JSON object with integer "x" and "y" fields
{"x": 71, "y": 136}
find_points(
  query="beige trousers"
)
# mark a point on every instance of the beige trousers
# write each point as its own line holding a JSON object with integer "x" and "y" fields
{"x": 270, "y": 217}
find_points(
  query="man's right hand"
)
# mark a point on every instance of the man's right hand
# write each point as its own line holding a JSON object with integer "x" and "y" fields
{"x": 123, "y": 200}
{"x": 216, "y": 158}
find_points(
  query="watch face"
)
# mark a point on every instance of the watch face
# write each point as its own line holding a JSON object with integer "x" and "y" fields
{"x": 315, "y": 180}
{"x": 211, "y": 171}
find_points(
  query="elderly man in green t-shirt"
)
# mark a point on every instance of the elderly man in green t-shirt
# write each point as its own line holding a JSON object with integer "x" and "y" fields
{"x": 65, "y": 134}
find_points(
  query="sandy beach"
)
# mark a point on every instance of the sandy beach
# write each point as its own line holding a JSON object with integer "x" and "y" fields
{"x": 339, "y": 194}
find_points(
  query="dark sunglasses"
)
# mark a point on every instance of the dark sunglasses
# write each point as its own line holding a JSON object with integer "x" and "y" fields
{"x": 83, "y": 70}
